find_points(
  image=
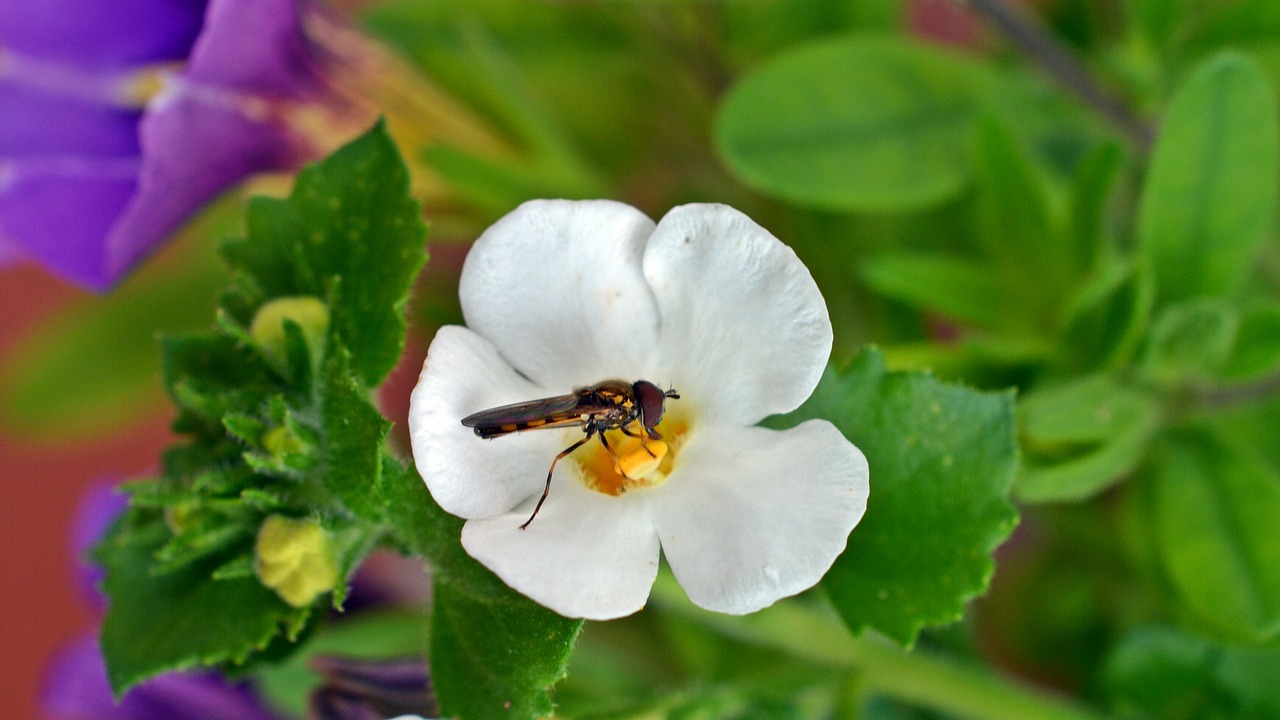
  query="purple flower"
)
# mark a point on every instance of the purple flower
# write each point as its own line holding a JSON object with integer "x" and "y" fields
{"x": 120, "y": 119}
{"x": 99, "y": 506}
{"x": 76, "y": 689}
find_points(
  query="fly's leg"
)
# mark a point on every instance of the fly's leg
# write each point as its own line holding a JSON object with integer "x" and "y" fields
{"x": 641, "y": 437}
{"x": 547, "y": 489}
{"x": 617, "y": 464}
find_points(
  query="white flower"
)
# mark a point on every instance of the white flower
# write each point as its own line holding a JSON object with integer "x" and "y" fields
{"x": 561, "y": 294}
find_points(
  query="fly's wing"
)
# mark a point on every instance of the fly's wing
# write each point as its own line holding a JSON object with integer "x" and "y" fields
{"x": 559, "y": 411}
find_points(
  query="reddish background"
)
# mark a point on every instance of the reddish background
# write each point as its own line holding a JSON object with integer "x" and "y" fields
{"x": 40, "y": 483}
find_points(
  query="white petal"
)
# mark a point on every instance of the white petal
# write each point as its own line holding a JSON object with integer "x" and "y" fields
{"x": 586, "y": 554}
{"x": 751, "y": 515}
{"x": 469, "y": 476}
{"x": 744, "y": 329}
{"x": 556, "y": 285}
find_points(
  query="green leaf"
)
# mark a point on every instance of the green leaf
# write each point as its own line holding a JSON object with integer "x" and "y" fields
{"x": 1017, "y": 227}
{"x": 494, "y": 652}
{"x": 1162, "y": 672}
{"x": 350, "y": 229}
{"x": 858, "y": 123}
{"x": 1217, "y": 506}
{"x": 942, "y": 459}
{"x": 353, "y": 429}
{"x": 1083, "y": 436}
{"x": 1091, "y": 188}
{"x": 1107, "y": 317}
{"x": 210, "y": 376}
{"x": 1211, "y": 191}
{"x": 959, "y": 288}
{"x": 156, "y": 623}
{"x": 1257, "y": 348}
{"x": 1159, "y": 19}
{"x": 1191, "y": 340}
{"x": 496, "y": 657}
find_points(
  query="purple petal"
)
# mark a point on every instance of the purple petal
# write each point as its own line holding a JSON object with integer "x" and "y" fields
{"x": 76, "y": 688}
{"x": 59, "y": 210}
{"x": 98, "y": 34}
{"x": 255, "y": 46}
{"x": 99, "y": 506}
{"x": 36, "y": 122}
{"x": 193, "y": 147}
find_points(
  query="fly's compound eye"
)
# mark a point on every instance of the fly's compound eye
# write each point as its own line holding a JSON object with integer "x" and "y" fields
{"x": 651, "y": 400}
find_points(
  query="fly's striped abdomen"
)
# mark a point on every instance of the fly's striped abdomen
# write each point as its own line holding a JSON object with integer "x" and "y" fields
{"x": 492, "y": 430}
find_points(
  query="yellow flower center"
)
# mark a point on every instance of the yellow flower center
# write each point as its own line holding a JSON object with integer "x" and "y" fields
{"x": 634, "y": 463}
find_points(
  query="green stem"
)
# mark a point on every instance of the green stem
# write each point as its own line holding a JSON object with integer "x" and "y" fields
{"x": 921, "y": 678}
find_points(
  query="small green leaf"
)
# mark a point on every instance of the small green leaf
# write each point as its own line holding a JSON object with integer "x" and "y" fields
{"x": 156, "y": 623}
{"x": 1211, "y": 192}
{"x": 942, "y": 459}
{"x": 1017, "y": 228}
{"x": 1083, "y": 436}
{"x": 1162, "y": 672}
{"x": 349, "y": 228}
{"x": 1091, "y": 188}
{"x": 1191, "y": 340}
{"x": 1107, "y": 317}
{"x": 858, "y": 123}
{"x": 1257, "y": 348}
{"x": 1217, "y": 507}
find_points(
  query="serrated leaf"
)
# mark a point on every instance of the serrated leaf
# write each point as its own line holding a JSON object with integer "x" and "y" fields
{"x": 494, "y": 652}
{"x": 1211, "y": 191}
{"x": 854, "y": 124}
{"x": 157, "y": 623}
{"x": 197, "y": 541}
{"x": 496, "y": 657}
{"x": 210, "y": 376}
{"x": 349, "y": 227}
{"x": 1217, "y": 507}
{"x": 942, "y": 459}
{"x": 353, "y": 430}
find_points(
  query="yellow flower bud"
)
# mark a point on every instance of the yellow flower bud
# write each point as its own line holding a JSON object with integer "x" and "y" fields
{"x": 295, "y": 558}
{"x": 310, "y": 313}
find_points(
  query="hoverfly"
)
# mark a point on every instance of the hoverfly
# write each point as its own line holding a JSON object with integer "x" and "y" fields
{"x": 608, "y": 405}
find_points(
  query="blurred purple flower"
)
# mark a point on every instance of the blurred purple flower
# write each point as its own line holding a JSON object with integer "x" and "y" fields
{"x": 99, "y": 506}
{"x": 76, "y": 689}
{"x": 120, "y": 119}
